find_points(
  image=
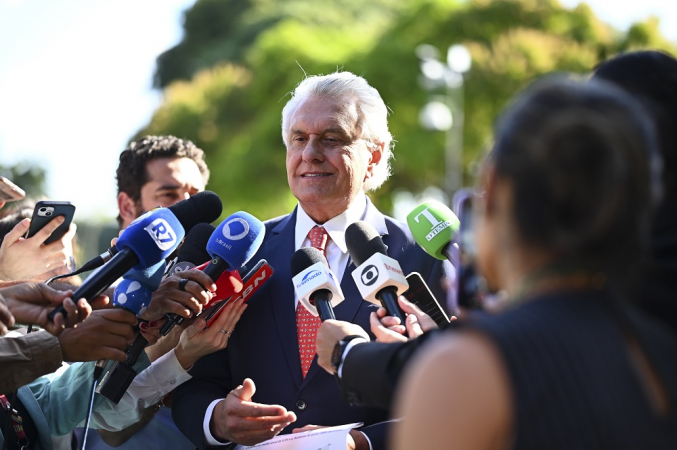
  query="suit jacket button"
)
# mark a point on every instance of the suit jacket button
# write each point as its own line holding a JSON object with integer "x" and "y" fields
{"x": 302, "y": 405}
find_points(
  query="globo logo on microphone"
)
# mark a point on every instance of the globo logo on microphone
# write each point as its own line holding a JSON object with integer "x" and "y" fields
{"x": 162, "y": 234}
{"x": 369, "y": 275}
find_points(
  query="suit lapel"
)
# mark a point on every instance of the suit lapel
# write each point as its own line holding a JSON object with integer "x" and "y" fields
{"x": 348, "y": 308}
{"x": 281, "y": 248}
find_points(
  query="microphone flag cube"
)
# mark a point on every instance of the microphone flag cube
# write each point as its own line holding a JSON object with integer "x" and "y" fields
{"x": 376, "y": 273}
{"x": 314, "y": 278}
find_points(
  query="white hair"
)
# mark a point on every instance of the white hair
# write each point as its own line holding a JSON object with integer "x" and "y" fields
{"x": 372, "y": 118}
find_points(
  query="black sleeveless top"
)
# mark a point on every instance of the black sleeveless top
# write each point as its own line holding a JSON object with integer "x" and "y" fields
{"x": 573, "y": 383}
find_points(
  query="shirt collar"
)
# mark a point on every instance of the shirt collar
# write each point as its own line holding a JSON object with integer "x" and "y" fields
{"x": 336, "y": 227}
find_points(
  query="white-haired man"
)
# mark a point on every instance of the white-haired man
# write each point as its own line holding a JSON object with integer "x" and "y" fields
{"x": 338, "y": 147}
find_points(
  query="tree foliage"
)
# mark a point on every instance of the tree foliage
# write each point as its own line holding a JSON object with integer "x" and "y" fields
{"x": 227, "y": 81}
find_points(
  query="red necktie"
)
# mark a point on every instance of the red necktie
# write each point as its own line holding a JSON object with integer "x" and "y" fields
{"x": 306, "y": 323}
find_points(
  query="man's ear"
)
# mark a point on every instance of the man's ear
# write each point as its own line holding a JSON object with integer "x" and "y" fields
{"x": 127, "y": 207}
{"x": 375, "y": 158}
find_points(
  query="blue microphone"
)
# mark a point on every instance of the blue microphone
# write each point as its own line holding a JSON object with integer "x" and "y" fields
{"x": 136, "y": 289}
{"x": 231, "y": 245}
{"x": 145, "y": 242}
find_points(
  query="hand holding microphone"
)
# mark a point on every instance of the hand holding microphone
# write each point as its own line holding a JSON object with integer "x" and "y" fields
{"x": 231, "y": 246}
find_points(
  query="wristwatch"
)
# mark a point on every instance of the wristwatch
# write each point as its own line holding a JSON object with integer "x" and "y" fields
{"x": 339, "y": 349}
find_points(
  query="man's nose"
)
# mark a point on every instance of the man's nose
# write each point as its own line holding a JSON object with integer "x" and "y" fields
{"x": 313, "y": 150}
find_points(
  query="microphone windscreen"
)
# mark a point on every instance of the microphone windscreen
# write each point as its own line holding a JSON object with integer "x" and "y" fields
{"x": 433, "y": 226}
{"x": 237, "y": 239}
{"x": 150, "y": 277}
{"x": 203, "y": 207}
{"x": 152, "y": 237}
{"x": 304, "y": 258}
{"x": 362, "y": 241}
{"x": 194, "y": 248}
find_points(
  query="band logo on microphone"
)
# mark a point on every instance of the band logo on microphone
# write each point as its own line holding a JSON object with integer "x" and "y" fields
{"x": 162, "y": 234}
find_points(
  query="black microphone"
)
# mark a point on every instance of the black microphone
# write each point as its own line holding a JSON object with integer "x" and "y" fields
{"x": 377, "y": 276}
{"x": 316, "y": 286}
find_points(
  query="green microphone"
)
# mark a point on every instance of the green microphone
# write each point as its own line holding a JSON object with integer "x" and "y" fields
{"x": 434, "y": 226}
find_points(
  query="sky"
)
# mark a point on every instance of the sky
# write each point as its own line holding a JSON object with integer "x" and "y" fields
{"x": 76, "y": 83}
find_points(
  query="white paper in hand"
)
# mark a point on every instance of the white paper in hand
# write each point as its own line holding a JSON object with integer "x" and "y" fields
{"x": 322, "y": 439}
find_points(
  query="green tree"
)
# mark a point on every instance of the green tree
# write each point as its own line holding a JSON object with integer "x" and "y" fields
{"x": 240, "y": 69}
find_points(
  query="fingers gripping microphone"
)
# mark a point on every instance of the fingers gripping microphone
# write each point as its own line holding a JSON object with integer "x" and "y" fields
{"x": 314, "y": 283}
{"x": 145, "y": 242}
{"x": 133, "y": 293}
{"x": 434, "y": 227}
{"x": 231, "y": 245}
{"x": 377, "y": 276}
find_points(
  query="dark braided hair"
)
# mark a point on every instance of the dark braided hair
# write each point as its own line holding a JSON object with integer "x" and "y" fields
{"x": 582, "y": 159}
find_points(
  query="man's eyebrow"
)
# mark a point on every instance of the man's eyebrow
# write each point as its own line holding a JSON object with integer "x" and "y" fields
{"x": 168, "y": 187}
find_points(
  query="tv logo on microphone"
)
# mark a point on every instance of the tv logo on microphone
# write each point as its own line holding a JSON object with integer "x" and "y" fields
{"x": 369, "y": 275}
{"x": 162, "y": 234}
{"x": 236, "y": 232}
{"x": 436, "y": 225}
{"x": 308, "y": 277}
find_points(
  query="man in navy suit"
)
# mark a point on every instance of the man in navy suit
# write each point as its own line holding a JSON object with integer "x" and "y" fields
{"x": 267, "y": 380}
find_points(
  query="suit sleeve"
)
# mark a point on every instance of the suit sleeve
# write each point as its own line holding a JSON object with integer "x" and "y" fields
{"x": 372, "y": 370}
{"x": 211, "y": 380}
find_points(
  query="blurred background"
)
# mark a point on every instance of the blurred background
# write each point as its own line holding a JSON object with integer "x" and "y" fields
{"x": 80, "y": 78}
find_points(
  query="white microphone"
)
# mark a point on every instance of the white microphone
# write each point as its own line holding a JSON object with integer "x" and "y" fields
{"x": 378, "y": 277}
{"x": 315, "y": 284}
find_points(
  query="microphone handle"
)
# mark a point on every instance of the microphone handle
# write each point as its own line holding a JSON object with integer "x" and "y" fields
{"x": 124, "y": 260}
{"x": 214, "y": 270}
{"x": 388, "y": 298}
{"x": 322, "y": 301}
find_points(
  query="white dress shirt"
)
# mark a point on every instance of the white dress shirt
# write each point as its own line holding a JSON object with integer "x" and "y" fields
{"x": 337, "y": 257}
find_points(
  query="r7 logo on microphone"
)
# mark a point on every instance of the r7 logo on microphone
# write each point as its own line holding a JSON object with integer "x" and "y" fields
{"x": 162, "y": 234}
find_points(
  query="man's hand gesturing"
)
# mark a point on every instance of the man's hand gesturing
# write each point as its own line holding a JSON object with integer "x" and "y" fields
{"x": 237, "y": 419}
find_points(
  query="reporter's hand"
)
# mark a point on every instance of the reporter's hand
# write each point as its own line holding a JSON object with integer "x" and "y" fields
{"x": 237, "y": 419}
{"x": 105, "y": 335}
{"x": 170, "y": 299}
{"x": 22, "y": 259}
{"x": 196, "y": 341}
{"x": 31, "y": 303}
{"x": 329, "y": 333}
{"x": 388, "y": 329}
{"x": 151, "y": 330}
